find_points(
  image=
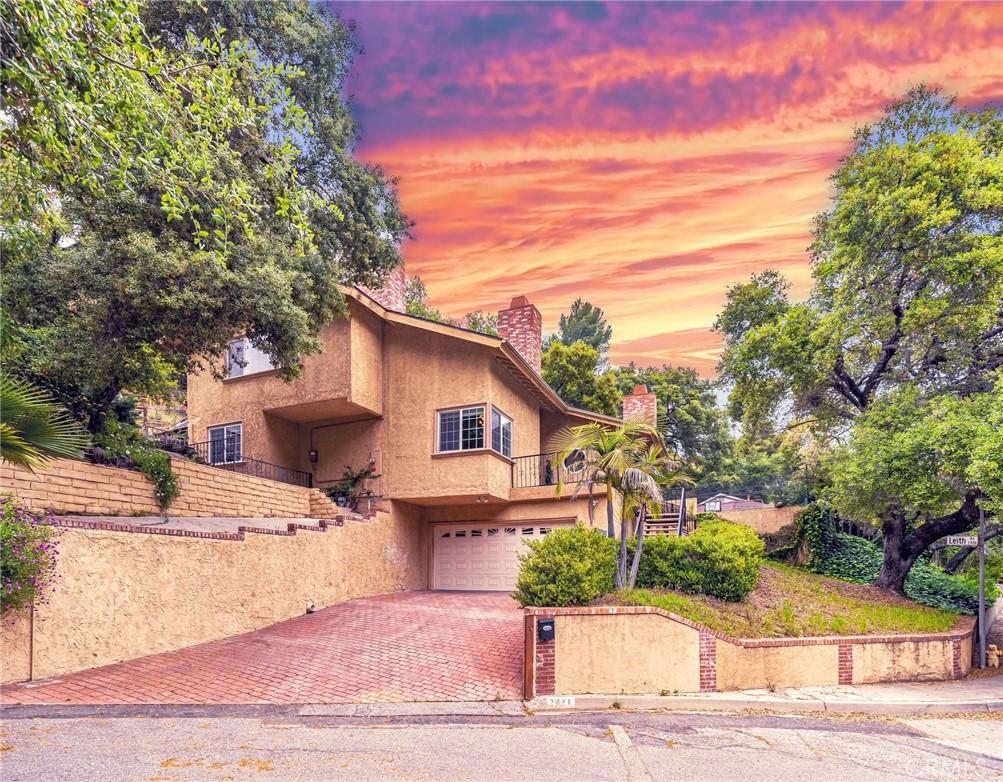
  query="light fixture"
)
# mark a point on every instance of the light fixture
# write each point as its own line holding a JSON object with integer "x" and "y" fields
{"x": 314, "y": 456}
{"x": 482, "y": 499}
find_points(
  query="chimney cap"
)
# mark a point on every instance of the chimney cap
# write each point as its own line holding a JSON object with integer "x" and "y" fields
{"x": 639, "y": 390}
{"x": 518, "y": 301}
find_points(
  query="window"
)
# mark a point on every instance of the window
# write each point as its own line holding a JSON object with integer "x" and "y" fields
{"x": 242, "y": 358}
{"x": 713, "y": 505}
{"x": 501, "y": 432}
{"x": 225, "y": 444}
{"x": 461, "y": 430}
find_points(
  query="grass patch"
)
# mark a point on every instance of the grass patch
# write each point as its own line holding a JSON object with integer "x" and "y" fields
{"x": 789, "y": 602}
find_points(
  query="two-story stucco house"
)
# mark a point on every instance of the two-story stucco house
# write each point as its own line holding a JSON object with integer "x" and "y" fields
{"x": 455, "y": 423}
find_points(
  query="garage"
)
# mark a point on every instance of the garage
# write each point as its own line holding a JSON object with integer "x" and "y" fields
{"x": 482, "y": 556}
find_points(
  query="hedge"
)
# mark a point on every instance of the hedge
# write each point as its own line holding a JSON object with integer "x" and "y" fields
{"x": 719, "y": 558}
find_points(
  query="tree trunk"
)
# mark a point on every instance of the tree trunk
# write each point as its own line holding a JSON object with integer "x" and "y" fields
{"x": 610, "y": 527}
{"x": 642, "y": 516}
{"x": 102, "y": 404}
{"x": 901, "y": 547}
{"x": 621, "y": 562}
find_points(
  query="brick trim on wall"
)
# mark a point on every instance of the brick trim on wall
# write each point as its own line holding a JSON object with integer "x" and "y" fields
{"x": 708, "y": 662}
{"x": 964, "y": 627}
{"x": 109, "y": 526}
{"x": 846, "y": 663}
{"x": 956, "y": 668}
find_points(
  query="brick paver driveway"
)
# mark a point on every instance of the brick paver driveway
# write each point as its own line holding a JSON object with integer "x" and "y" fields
{"x": 411, "y": 646}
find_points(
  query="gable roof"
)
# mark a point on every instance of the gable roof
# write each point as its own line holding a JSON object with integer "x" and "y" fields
{"x": 510, "y": 358}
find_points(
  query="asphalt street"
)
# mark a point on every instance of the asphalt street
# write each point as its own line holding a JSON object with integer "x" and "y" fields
{"x": 157, "y": 744}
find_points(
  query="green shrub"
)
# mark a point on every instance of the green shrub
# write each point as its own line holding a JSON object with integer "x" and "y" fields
{"x": 567, "y": 567}
{"x": 126, "y": 445}
{"x": 852, "y": 558}
{"x": 706, "y": 516}
{"x": 720, "y": 558}
{"x": 27, "y": 556}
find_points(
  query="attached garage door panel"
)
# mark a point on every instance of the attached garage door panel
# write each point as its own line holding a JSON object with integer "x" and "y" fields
{"x": 482, "y": 556}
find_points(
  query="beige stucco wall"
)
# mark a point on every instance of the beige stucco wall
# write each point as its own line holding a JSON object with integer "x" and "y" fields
{"x": 763, "y": 520}
{"x": 743, "y": 668}
{"x": 15, "y": 648}
{"x": 80, "y": 487}
{"x": 664, "y": 654}
{"x": 905, "y": 661}
{"x": 616, "y": 654}
{"x": 344, "y": 380}
{"x": 121, "y": 595}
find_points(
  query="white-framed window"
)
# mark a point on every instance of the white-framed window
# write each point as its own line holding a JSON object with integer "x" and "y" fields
{"x": 225, "y": 443}
{"x": 713, "y": 505}
{"x": 501, "y": 432}
{"x": 461, "y": 429}
{"x": 242, "y": 358}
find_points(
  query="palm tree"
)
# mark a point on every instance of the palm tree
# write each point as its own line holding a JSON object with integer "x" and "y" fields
{"x": 629, "y": 460}
{"x": 34, "y": 429}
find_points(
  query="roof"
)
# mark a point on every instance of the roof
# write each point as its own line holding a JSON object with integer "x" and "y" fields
{"x": 506, "y": 353}
{"x": 721, "y": 495}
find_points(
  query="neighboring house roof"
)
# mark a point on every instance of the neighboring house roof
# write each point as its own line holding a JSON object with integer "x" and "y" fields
{"x": 506, "y": 354}
{"x": 736, "y": 503}
{"x": 720, "y": 496}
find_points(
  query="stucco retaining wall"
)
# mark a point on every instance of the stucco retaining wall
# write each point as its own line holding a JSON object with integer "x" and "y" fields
{"x": 763, "y": 520}
{"x": 123, "y": 594}
{"x": 671, "y": 653}
{"x": 82, "y": 488}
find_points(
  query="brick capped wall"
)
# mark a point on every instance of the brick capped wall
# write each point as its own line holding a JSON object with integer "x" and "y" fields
{"x": 522, "y": 325}
{"x": 391, "y": 294}
{"x": 707, "y": 660}
{"x": 72, "y": 487}
{"x": 641, "y": 405}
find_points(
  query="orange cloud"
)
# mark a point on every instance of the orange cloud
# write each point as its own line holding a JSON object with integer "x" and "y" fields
{"x": 642, "y": 156}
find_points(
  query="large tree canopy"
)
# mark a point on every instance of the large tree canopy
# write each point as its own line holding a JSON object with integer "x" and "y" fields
{"x": 183, "y": 175}
{"x": 907, "y": 304}
{"x": 584, "y": 322}
{"x": 573, "y": 372}
{"x": 690, "y": 421}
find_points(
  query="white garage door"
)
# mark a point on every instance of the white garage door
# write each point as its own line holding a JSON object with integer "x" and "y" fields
{"x": 482, "y": 556}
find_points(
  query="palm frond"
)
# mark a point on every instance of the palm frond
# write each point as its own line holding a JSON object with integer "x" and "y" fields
{"x": 34, "y": 429}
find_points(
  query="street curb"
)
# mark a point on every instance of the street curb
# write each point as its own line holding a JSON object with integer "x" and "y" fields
{"x": 427, "y": 709}
{"x": 583, "y": 703}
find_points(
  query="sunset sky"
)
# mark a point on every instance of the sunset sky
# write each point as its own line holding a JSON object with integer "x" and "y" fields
{"x": 642, "y": 156}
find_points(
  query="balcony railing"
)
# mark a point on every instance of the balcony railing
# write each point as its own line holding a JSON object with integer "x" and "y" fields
{"x": 225, "y": 454}
{"x": 538, "y": 470}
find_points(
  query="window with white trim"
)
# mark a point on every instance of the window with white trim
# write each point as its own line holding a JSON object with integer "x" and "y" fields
{"x": 242, "y": 358}
{"x": 225, "y": 443}
{"x": 501, "y": 432}
{"x": 461, "y": 429}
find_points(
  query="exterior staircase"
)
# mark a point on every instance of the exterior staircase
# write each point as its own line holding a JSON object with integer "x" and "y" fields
{"x": 667, "y": 524}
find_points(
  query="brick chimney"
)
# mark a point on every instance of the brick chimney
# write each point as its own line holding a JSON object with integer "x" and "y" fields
{"x": 391, "y": 295}
{"x": 522, "y": 325}
{"x": 641, "y": 405}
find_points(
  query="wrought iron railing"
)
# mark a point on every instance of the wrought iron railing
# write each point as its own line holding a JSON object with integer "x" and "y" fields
{"x": 539, "y": 470}
{"x": 225, "y": 454}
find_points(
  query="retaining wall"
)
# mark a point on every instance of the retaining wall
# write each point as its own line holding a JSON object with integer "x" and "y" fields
{"x": 763, "y": 520}
{"x": 78, "y": 487}
{"x": 123, "y": 593}
{"x": 673, "y": 654}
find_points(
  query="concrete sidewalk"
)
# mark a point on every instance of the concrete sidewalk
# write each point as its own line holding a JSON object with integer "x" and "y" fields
{"x": 903, "y": 698}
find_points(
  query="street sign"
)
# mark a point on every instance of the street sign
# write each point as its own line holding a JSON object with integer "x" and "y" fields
{"x": 963, "y": 540}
